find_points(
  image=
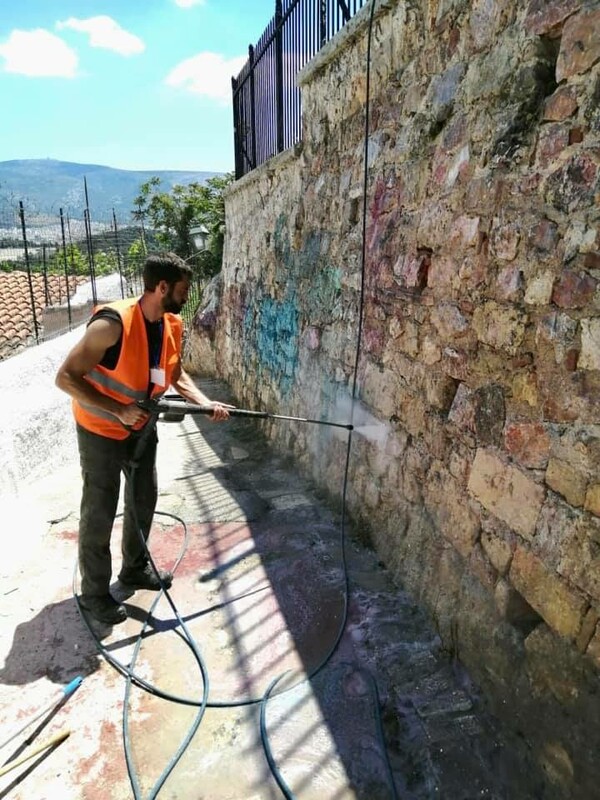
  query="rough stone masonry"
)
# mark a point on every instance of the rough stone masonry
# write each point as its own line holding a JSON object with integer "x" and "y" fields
{"x": 480, "y": 347}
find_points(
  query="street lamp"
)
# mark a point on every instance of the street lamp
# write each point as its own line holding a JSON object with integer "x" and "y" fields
{"x": 199, "y": 236}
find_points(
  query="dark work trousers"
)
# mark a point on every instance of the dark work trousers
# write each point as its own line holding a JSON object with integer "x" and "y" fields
{"x": 102, "y": 461}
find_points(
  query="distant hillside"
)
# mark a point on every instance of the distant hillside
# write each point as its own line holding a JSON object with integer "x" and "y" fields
{"x": 45, "y": 185}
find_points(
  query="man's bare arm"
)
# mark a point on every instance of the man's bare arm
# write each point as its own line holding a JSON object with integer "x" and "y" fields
{"x": 186, "y": 387}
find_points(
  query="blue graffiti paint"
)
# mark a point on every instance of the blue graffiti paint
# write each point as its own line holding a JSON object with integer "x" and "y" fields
{"x": 271, "y": 330}
{"x": 277, "y": 340}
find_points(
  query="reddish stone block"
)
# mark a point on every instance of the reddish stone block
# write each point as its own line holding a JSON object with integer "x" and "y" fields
{"x": 570, "y": 360}
{"x": 374, "y": 340}
{"x": 579, "y": 45}
{"x": 455, "y": 133}
{"x": 455, "y": 363}
{"x": 553, "y": 140}
{"x": 574, "y": 184}
{"x": 412, "y": 269}
{"x": 561, "y": 105}
{"x": 592, "y": 261}
{"x": 544, "y": 16}
{"x": 573, "y": 290}
{"x": 453, "y": 41}
{"x": 465, "y": 231}
{"x": 473, "y": 271}
{"x": 528, "y": 443}
{"x": 443, "y": 270}
{"x": 544, "y": 236}
{"x": 569, "y": 396}
{"x": 505, "y": 240}
{"x": 522, "y": 360}
{"x": 510, "y": 281}
{"x": 483, "y": 243}
{"x": 575, "y": 136}
{"x": 441, "y": 165}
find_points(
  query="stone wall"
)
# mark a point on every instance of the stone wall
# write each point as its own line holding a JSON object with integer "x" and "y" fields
{"x": 477, "y": 479}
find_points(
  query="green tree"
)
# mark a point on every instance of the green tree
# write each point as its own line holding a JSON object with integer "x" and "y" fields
{"x": 106, "y": 262}
{"x": 172, "y": 214}
{"x": 77, "y": 263}
{"x": 134, "y": 260}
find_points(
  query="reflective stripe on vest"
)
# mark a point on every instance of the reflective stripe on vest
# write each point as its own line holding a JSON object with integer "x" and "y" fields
{"x": 107, "y": 382}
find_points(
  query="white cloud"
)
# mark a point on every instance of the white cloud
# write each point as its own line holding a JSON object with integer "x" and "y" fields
{"x": 189, "y": 3}
{"x": 38, "y": 54}
{"x": 104, "y": 32}
{"x": 208, "y": 74}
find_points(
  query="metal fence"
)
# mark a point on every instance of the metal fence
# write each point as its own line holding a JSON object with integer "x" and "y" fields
{"x": 267, "y": 109}
{"x": 54, "y": 269}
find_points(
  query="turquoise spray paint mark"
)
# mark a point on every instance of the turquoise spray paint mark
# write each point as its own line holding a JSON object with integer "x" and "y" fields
{"x": 272, "y": 334}
{"x": 277, "y": 340}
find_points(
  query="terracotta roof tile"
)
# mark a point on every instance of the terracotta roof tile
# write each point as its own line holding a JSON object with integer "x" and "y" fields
{"x": 17, "y": 328}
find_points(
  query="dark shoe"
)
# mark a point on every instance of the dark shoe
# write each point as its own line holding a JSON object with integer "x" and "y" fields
{"x": 104, "y": 608}
{"x": 145, "y": 578}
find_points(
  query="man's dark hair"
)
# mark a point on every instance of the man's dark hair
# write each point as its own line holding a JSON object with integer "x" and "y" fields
{"x": 167, "y": 267}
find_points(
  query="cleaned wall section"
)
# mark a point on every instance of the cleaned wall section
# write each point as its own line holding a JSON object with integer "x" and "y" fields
{"x": 479, "y": 368}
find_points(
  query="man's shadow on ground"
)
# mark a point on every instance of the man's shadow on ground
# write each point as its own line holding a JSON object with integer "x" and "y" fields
{"x": 54, "y": 644}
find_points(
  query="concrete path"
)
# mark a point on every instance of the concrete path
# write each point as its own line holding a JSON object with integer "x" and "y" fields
{"x": 260, "y": 586}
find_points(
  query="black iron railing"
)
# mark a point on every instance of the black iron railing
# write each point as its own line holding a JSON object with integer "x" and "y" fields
{"x": 267, "y": 112}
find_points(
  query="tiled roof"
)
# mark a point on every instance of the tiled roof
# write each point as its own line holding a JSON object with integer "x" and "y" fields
{"x": 17, "y": 328}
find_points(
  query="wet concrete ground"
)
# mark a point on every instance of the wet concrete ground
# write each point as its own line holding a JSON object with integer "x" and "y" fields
{"x": 261, "y": 588}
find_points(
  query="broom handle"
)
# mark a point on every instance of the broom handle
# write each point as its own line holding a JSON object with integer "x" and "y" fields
{"x": 57, "y": 739}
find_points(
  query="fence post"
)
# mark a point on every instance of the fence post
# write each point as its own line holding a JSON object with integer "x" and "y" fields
{"x": 252, "y": 106}
{"x": 45, "y": 274}
{"x": 239, "y": 171}
{"x": 88, "y": 239}
{"x": 26, "y": 251}
{"x": 345, "y": 10}
{"x": 279, "y": 73}
{"x": 118, "y": 254}
{"x": 322, "y": 22}
{"x": 64, "y": 244}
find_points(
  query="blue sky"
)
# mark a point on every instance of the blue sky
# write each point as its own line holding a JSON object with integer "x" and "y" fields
{"x": 134, "y": 84}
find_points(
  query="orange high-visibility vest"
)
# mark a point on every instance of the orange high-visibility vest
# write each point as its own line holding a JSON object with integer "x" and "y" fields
{"x": 129, "y": 381}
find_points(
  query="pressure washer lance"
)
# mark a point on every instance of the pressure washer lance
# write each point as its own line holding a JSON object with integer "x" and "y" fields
{"x": 179, "y": 407}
